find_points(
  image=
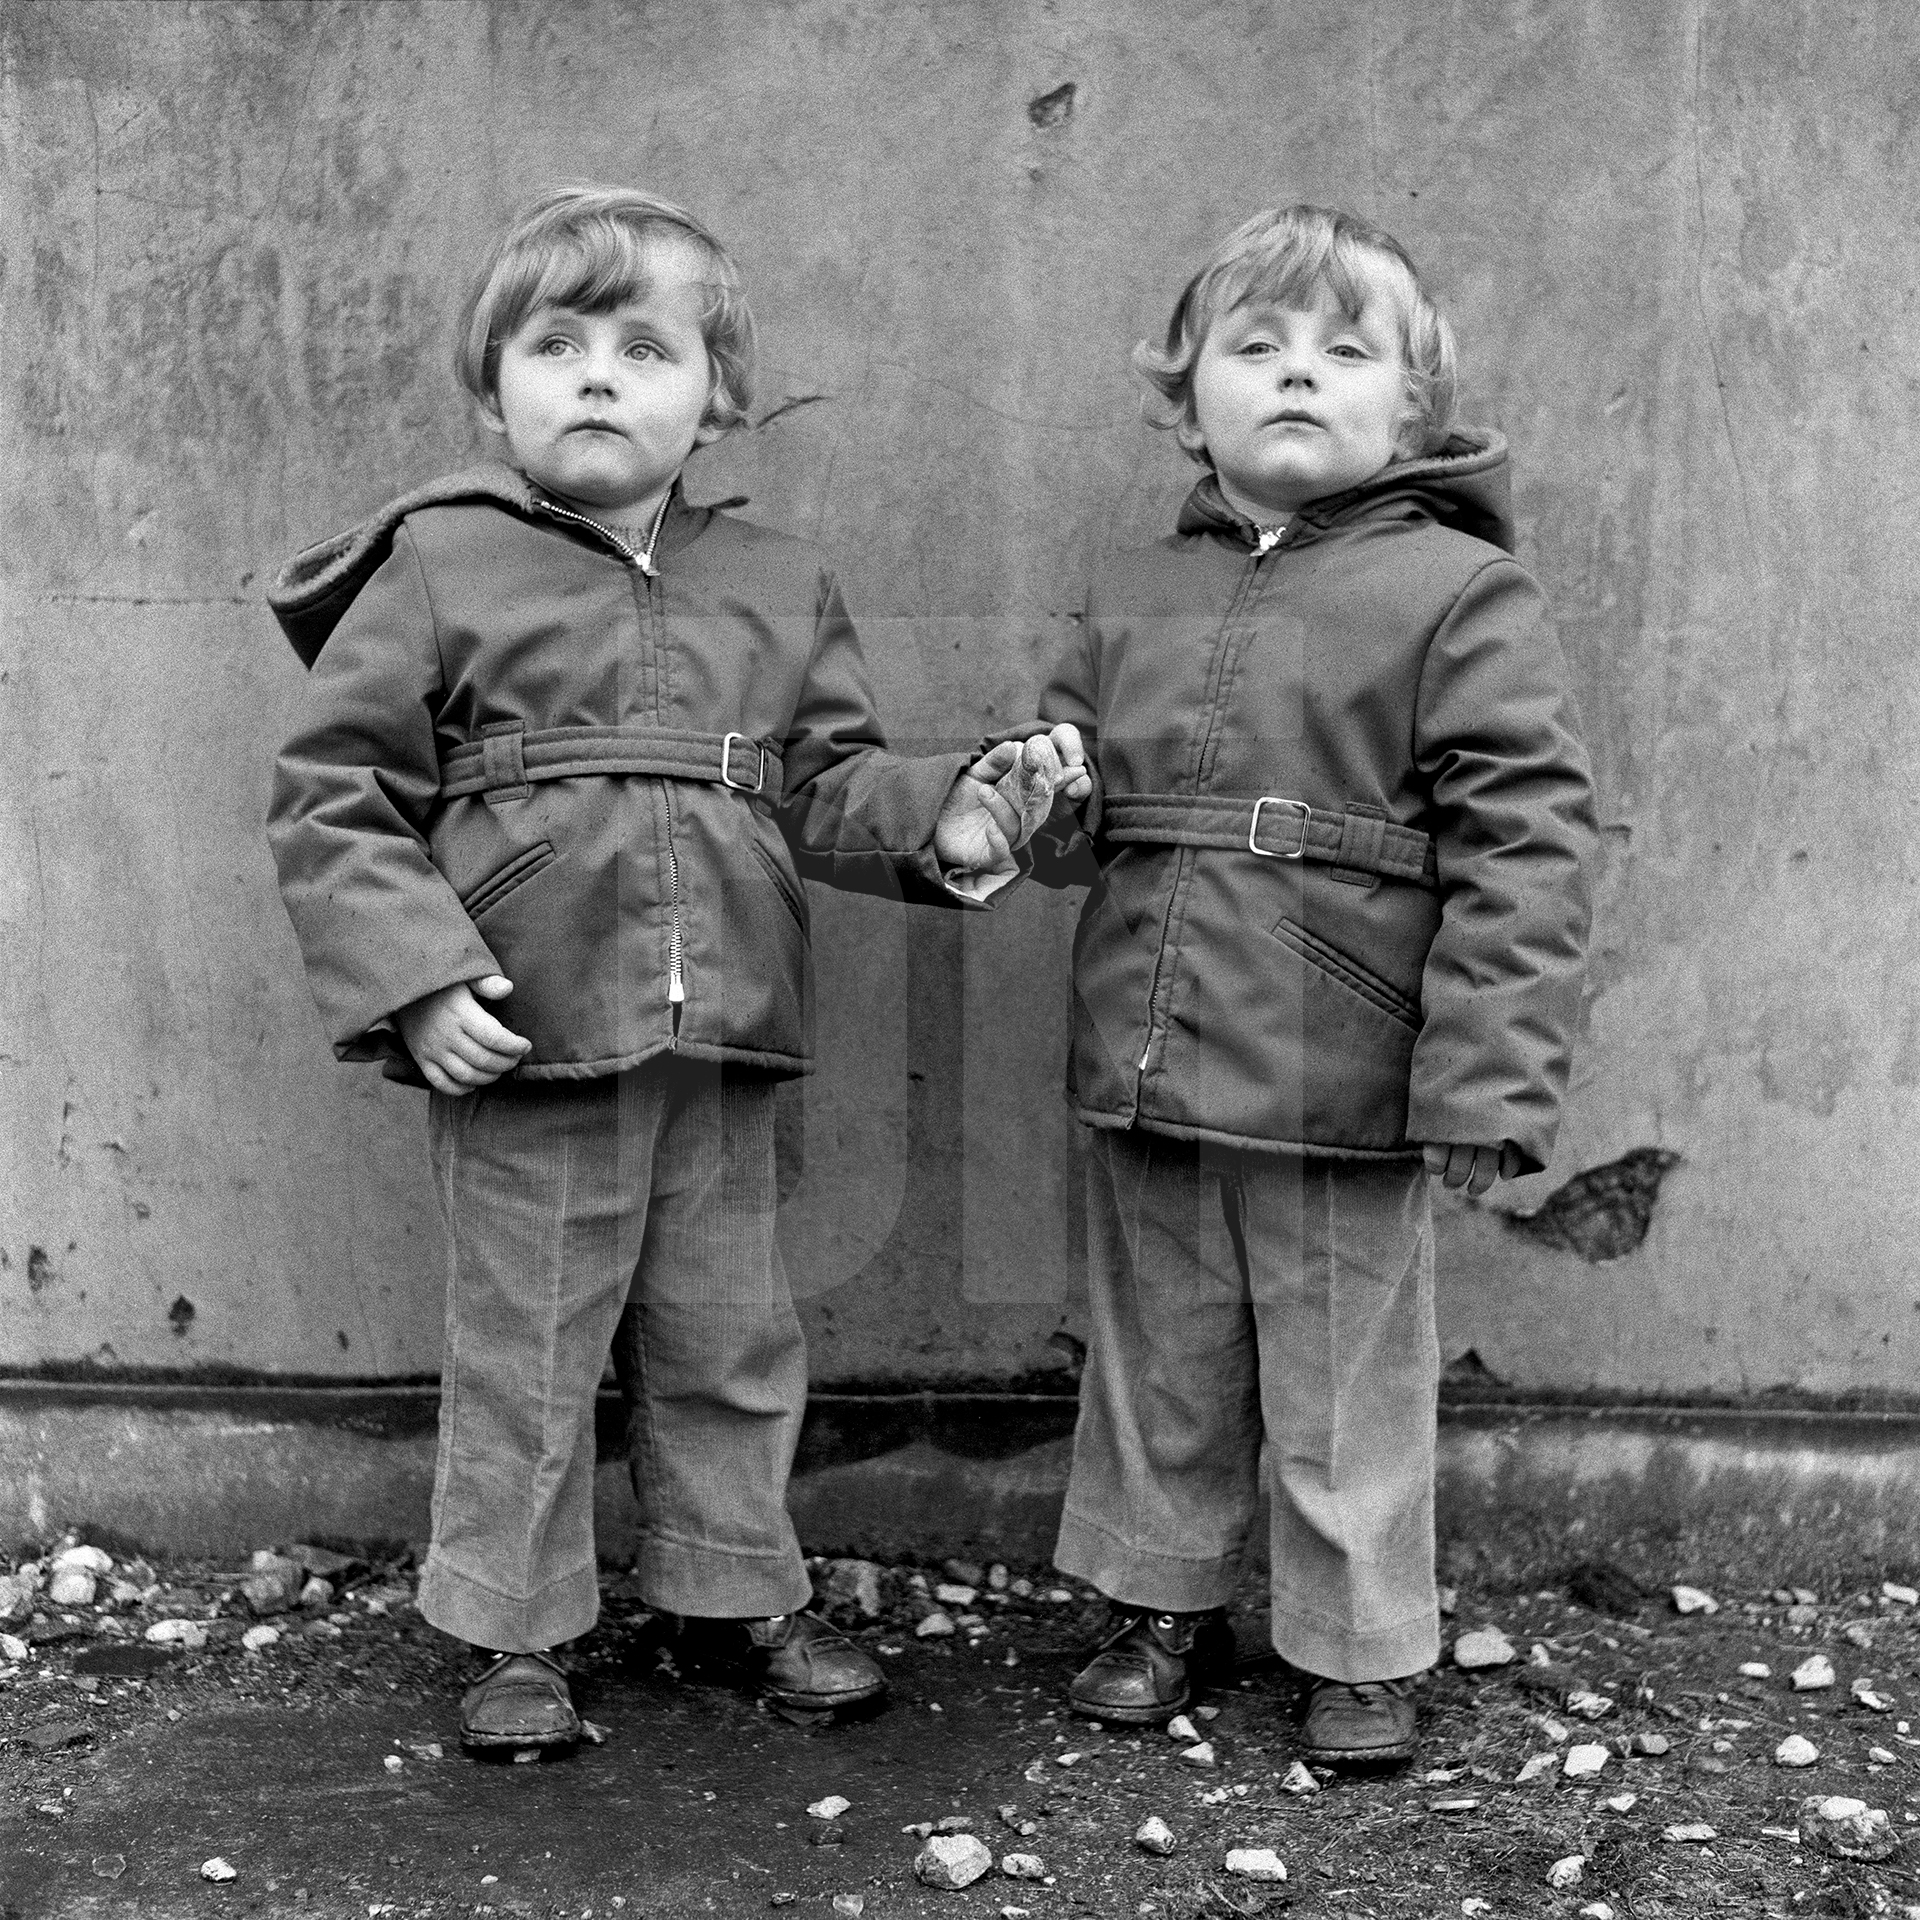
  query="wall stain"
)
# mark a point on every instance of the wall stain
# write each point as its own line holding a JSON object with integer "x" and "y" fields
{"x": 40, "y": 1269}
{"x": 180, "y": 1316}
{"x": 1053, "y": 109}
{"x": 1603, "y": 1213}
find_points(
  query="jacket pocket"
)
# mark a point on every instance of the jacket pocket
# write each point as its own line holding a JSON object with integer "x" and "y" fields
{"x": 788, "y": 889}
{"x": 503, "y": 880}
{"x": 1348, "y": 971}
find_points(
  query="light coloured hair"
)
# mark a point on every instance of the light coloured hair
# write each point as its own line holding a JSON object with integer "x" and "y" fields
{"x": 592, "y": 249}
{"x": 1280, "y": 258}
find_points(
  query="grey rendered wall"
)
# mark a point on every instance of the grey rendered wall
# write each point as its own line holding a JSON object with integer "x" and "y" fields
{"x": 1678, "y": 247}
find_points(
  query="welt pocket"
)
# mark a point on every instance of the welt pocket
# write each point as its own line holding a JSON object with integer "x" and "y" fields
{"x": 789, "y": 892}
{"x": 503, "y": 880}
{"x": 1348, "y": 972}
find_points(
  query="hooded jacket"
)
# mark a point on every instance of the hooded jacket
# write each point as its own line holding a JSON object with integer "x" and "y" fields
{"x": 1339, "y": 847}
{"x": 526, "y": 749}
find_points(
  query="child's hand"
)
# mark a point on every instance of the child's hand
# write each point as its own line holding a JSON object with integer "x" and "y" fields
{"x": 998, "y": 802}
{"x": 1475, "y": 1168}
{"x": 456, "y": 1043}
{"x": 1075, "y": 780}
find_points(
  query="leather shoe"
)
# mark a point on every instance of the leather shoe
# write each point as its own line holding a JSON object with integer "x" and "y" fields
{"x": 521, "y": 1700}
{"x": 1146, "y": 1667}
{"x": 1360, "y": 1724}
{"x": 798, "y": 1660}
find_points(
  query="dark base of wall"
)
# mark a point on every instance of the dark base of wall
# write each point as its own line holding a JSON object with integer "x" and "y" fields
{"x": 1759, "y": 1495}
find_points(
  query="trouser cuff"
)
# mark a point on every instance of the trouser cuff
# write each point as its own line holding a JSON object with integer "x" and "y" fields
{"x": 1137, "y": 1576}
{"x": 458, "y": 1604}
{"x": 1322, "y": 1648}
{"x": 675, "y": 1576}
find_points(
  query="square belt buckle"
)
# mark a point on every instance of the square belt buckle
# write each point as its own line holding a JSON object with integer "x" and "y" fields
{"x": 726, "y": 757}
{"x": 1305, "y": 814}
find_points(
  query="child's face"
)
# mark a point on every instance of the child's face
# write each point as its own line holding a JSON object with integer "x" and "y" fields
{"x": 1294, "y": 403}
{"x": 604, "y": 408}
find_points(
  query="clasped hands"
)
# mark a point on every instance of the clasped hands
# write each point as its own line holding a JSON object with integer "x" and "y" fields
{"x": 996, "y": 806}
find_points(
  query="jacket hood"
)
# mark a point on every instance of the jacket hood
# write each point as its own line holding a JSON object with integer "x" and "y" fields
{"x": 316, "y": 587}
{"x": 1465, "y": 486}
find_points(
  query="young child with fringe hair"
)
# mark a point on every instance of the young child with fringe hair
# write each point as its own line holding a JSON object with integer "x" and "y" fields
{"x": 568, "y": 746}
{"x": 1337, "y": 857}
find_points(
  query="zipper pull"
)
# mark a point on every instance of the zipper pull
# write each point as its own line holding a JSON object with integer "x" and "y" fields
{"x": 1270, "y": 537}
{"x": 676, "y": 991}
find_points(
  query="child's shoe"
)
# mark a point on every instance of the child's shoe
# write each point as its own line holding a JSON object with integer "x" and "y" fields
{"x": 520, "y": 1701}
{"x": 799, "y": 1661}
{"x": 1360, "y": 1724}
{"x": 1146, "y": 1667}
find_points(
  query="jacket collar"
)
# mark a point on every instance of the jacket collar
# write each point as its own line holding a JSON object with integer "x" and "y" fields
{"x": 1463, "y": 485}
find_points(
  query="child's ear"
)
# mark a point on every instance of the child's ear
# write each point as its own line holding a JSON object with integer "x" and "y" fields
{"x": 1188, "y": 433}
{"x": 707, "y": 433}
{"x": 490, "y": 415}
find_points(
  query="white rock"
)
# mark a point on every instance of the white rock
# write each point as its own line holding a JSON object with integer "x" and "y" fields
{"x": 1755, "y": 1670}
{"x": 950, "y": 1861}
{"x": 1899, "y": 1595}
{"x": 1181, "y": 1728}
{"x": 1206, "y": 1713}
{"x": 71, "y": 1587}
{"x": 1484, "y": 1647}
{"x": 1200, "y": 1756}
{"x": 1694, "y": 1833}
{"x": 257, "y": 1637}
{"x": 1255, "y": 1863}
{"x": 1023, "y": 1866}
{"x": 1834, "y": 1823}
{"x": 1694, "y": 1600}
{"x": 1538, "y": 1656}
{"x": 16, "y": 1597}
{"x": 1449, "y": 1602}
{"x": 1548, "y": 1727}
{"x": 1154, "y": 1836}
{"x": 1534, "y": 1766}
{"x": 831, "y": 1808}
{"x": 1589, "y": 1706}
{"x": 1881, "y": 1757}
{"x": 1583, "y": 1762}
{"x": 1567, "y": 1873}
{"x": 218, "y": 1869}
{"x": 1813, "y": 1673}
{"x": 13, "y": 1649}
{"x": 1622, "y": 1802}
{"x": 1864, "y": 1693}
{"x": 1650, "y": 1746}
{"x": 1299, "y": 1779}
{"x": 998, "y": 1579}
{"x": 935, "y": 1626}
{"x": 850, "y": 1905}
{"x": 81, "y": 1559}
{"x": 1796, "y": 1750}
{"x": 1472, "y": 1905}
{"x": 951, "y": 1594}
{"x": 1596, "y": 1910}
{"x": 1057, "y": 1596}
{"x": 393, "y": 1763}
{"x": 1068, "y": 1759}
{"x": 317, "y": 1593}
{"x": 178, "y": 1633}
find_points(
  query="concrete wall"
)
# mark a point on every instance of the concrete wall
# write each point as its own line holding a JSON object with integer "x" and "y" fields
{"x": 1678, "y": 248}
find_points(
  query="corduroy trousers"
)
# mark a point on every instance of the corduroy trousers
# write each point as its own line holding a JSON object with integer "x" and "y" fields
{"x": 632, "y": 1213}
{"x": 1242, "y": 1301}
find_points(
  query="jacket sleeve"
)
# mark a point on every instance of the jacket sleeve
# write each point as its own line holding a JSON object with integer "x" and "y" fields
{"x": 1060, "y": 854}
{"x": 1497, "y": 737}
{"x": 353, "y": 791}
{"x": 858, "y": 816}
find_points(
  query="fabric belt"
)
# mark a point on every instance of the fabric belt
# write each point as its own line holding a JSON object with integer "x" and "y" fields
{"x": 507, "y": 758}
{"x": 1361, "y": 838}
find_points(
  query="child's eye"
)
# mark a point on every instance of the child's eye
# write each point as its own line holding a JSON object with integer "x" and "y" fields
{"x": 554, "y": 345}
{"x": 643, "y": 350}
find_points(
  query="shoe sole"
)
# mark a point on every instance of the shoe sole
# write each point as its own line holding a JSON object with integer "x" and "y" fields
{"x": 822, "y": 1702}
{"x": 1369, "y": 1759}
{"x": 1131, "y": 1716}
{"x": 485, "y": 1741}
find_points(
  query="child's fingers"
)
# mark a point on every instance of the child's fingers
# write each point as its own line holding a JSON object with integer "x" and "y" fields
{"x": 1068, "y": 744}
{"x": 478, "y": 1025}
{"x": 994, "y": 765}
{"x": 1485, "y": 1170}
{"x": 470, "y": 1051}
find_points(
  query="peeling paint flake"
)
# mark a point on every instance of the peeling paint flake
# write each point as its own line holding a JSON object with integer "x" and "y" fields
{"x": 1601, "y": 1214}
{"x": 1052, "y": 109}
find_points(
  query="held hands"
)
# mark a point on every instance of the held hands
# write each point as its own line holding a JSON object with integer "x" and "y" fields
{"x": 456, "y": 1043}
{"x": 999, "y": 802}
{"x": 1475, "y": 1168}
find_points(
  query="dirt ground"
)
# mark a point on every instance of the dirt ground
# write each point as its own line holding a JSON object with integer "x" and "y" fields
{"x": 324, "y": 1767}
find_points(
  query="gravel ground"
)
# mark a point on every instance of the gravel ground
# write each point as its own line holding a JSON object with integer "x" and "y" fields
{"x": 323, "y": 1766}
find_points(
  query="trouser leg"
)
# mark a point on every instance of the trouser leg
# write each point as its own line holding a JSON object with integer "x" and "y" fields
{"x": 712, "y": 1362}
{"x": 1166, "y": 1449}
{"x": 544, "y": 1190}
{"x": 1340, "y": 1259}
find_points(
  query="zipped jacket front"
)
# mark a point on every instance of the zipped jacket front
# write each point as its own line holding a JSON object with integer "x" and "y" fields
{"x": 1339, "y": 852}
{"x": 457, "y": 800}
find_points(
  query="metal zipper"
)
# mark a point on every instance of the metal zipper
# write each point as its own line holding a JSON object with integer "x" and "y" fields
{"x": 643, "y": 563}
{"x": 1267, "y": 540}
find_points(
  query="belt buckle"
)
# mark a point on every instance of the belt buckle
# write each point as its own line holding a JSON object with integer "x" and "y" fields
{"x": 726, "y": 755}
{"x": 1279, "y": 853}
